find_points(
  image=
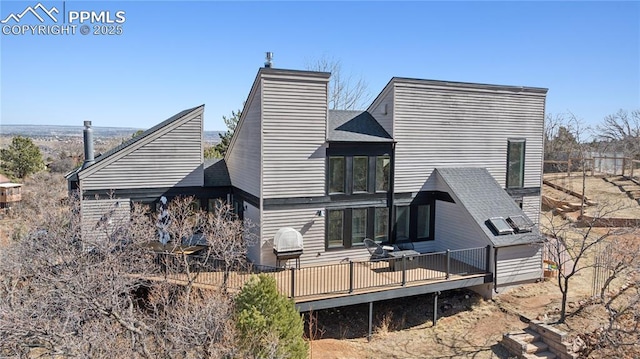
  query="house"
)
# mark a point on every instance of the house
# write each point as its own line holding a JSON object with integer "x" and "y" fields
{"x": 10, "y": 193}
{"x": 441, "y": 165}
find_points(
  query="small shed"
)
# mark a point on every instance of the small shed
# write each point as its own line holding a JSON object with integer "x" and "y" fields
{"x": 10, "y": 193}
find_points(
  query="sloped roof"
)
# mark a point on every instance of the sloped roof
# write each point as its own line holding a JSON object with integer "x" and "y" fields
{"x": 481, "y": 195}
{"x": 216, "y": 173}
{"x": 355, "y": 126}
{"x": 133, "y": 140}
{"x": 4, "y": 179}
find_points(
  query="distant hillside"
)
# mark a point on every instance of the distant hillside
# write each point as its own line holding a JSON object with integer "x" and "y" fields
{"x": 53, "y": 131}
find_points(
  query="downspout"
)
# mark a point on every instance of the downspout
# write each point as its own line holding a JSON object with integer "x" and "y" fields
{"x": 495, "y": 269}
{"x": 391, "y": 197}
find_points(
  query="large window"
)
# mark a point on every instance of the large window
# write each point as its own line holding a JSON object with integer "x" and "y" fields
{"x": 360, "y": 173}
{"x": 358, "y": 226}
{"x": 515, "y": 163}
{"x": 381, "y": 225}
{"x": 348, "y": 227}
{"x": 383, "y": 164}
{"x": 337, "y": 169}
{"x": 414, "y": 222}
{"x": 402, "y": 223}
{"x": 335, "y": 229}
{"x": 424, "y": 222}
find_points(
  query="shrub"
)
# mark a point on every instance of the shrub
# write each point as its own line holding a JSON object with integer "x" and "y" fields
{"x": 268, "y": 323}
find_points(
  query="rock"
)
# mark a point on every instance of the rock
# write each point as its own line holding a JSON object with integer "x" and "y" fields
{"x": 577, "y": 344}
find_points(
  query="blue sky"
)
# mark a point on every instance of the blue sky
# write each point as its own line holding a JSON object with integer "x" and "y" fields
{"x": 175, "y": 55}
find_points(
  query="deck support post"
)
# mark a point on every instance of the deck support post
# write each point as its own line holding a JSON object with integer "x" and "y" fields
{"x": 351, "y": 276}
{"x": 448, "y": 263}
{"x": 370, "y": 321}
{"x": 488, "y": 263}
{"x": 293, "y": 282}
{"x": 404, "y": 270}
{"x": 435, "y": 307}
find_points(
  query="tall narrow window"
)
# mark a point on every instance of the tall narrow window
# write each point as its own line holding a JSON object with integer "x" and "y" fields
{"x": 335, "y": 228}
{"x": 381, "y": 225}
{"x": 360, "y": 173}
{"x": 383, "y": 164}
{"x": 402, "y": 223}
{"x": 424, "y": 221}
{"x": 358, "y": 226}
{"x": 336, "y": 174}
{"x": 515, "y": 163}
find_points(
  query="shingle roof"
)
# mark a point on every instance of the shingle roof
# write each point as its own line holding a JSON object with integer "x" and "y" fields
{"x": 481, "y": 195}
{"x": 133, "y": 140}
{"x": 355, "y": 126}
{"x": 216, "y": 173}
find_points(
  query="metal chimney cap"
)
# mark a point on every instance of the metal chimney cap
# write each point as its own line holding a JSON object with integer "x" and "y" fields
{"x": 269, "y": 58}
{"x": 87, "y": 123}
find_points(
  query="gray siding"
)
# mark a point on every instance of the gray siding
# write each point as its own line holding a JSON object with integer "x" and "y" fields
{"x": 519, "y": 263}
{"x": 312, "y": 229}
{"x": 456, "y": 229}
{"x": 531, "y": 207}
{"x": 437, "y": 126}
{"x": 294, "y": 116}
{"x": 170, "y": 157}
{"x": 92, "y": 212}
{"x": 252, "y": 216}
{"x": 243, "y": 156}
{"x": 382, "y": 109}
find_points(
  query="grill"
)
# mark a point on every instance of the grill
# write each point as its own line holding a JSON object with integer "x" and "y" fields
{"x": 287, "y": 244}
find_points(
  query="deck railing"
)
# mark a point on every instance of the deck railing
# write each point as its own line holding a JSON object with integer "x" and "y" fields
{"x": 341, "y": 278}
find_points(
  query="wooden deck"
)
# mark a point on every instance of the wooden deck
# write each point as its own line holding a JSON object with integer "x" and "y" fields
{"x": 357, "y": 282}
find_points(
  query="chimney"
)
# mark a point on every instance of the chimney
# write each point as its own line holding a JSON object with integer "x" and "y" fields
{"x": 88, "y": 145}
{"x": 268, "y": 63}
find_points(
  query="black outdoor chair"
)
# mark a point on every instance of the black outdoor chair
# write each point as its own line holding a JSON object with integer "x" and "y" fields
{"x": 376, "y": 250}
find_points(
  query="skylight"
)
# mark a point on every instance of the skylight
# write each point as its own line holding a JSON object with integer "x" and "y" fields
{"x": 520, "y": 223}
{"x": 500, "y": 226}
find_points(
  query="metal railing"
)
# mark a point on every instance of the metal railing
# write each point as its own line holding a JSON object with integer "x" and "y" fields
{"x": 342, "y": 278}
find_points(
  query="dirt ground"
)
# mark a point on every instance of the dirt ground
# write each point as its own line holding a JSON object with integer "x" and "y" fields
{"x": 468, "y": 326}
{"x": 609, "y": 196}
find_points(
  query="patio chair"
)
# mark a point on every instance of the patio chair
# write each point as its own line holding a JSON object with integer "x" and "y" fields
{"x": 377, "y": 251}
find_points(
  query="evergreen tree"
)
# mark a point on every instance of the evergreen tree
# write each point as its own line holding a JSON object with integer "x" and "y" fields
{"x": 225, "y": 138}
{"x": 268, "y": 323}
{"x": 21, "y": 158}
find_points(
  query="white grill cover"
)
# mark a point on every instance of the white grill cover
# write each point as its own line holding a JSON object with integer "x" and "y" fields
{"x": 287, "y": 240}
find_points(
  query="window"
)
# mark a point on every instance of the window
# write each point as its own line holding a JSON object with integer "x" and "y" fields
{"x": 348, "y": 227}
{"x": 381, "y": 224}
{"x": 335, "y": 228}
{"x": 424, "y": 222}
{"x": 402, "y": 222}
{"x": 360, "y": 173}
{"x": 358, "y": 170}
{"x": 336, "y": 174}
{"x": 358, "y": 226}
{"x": 383, "y": 163}
{"x": 515, "y": 163}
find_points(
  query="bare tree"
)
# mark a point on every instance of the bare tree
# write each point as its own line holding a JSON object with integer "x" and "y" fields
{"x": 59, "y": 296}
{"x": 573, "y": 245}
{"x": 621, "y": 132}
{"x": 558, "y": 137}
{"x": 346, "y": 92}
{"x": 620, "y": 298}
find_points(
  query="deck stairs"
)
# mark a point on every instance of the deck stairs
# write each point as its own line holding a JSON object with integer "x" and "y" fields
{"x": 538, "y": 341}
